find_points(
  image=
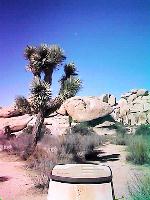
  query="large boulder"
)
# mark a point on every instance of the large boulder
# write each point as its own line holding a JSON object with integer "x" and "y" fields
{"x": 142, "y": 92}
{"x": 132, "y": 119}
{"x": 9, "y": 112}
{"x": 122, "y": 102}
{"x": 124, "y": 110}
{"x": 86, "y": 108}
{"x": 136, "y": 108}
{"x": 15, "y": 123}
{"x": 131, "y": 98}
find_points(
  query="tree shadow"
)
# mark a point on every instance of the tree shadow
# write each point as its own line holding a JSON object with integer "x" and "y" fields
{"x": 4, "y": 178}
{"x": 101, "y": 156}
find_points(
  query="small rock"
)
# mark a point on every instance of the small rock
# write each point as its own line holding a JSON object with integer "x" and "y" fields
{"x": 134, "y": 91}
{"x": 112, "y": 100}
{"x": 142, "y": 118}
{"x": 104, "y": 98}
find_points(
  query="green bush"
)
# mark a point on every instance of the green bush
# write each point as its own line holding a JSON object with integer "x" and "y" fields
{"x": 120, "y": 128}
{"x": 143, "y": 130}
{"x": 82, "y": 128}
{"x": 120, "y": 139}
{"x": 139, "y": 149}
{"x": 121, "y": 136}
{"x": 140, "y": 189}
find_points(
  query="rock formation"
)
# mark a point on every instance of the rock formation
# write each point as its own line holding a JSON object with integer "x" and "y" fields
{"x": 9, "y": 112}
{"x": 133, "y": 108}
{"x": 85, "y": 108}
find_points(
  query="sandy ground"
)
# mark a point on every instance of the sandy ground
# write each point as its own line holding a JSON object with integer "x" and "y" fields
{"x": 19, "y": 185}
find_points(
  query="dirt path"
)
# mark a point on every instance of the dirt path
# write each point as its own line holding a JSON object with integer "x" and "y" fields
{"x": 19, "y": 185}
{"x": 123, "y": 172}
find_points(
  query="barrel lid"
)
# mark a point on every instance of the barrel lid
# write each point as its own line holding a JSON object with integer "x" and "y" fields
{"x": 81, "y": 173}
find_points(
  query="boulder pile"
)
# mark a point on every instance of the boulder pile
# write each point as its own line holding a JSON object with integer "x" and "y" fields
{"x": 133, "y": 108}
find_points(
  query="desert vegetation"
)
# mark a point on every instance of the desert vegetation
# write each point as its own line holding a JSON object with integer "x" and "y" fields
{"x": 51, "y": 150}
{"x": 138, "y": 143}
{"x": 140, "y": 188}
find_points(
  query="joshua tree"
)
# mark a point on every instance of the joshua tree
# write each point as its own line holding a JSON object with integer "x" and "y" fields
{"x": 45, "y": 59}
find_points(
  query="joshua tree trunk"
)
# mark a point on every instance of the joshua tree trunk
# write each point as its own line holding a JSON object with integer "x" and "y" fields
{"x": 36, "y": 132}
{"x": 38, "y": 126}
{"x": 48, "y": 75}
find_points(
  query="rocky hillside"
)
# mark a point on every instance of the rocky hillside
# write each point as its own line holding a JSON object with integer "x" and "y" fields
{"x": 132, "y": 109}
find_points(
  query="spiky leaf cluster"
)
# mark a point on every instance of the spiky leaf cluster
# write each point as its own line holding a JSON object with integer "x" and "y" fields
{"x": 22, "y": 104}
{"x": 70, "y": 69}
{"x": 70, "y": 87}
{"x": 42, "y": 57}
{"x": 40, "y": 94}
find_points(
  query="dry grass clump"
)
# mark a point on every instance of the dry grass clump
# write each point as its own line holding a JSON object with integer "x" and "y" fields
{"x": 21, "y": 144}
{"x": 74, "y": 147}
{"x": 52, "y": 150}
{"x": 44, "y": 158}
{"x": 69, "y": 148}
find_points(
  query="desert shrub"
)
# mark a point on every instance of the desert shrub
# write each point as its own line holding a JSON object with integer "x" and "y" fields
{"x": 139, "y": 149}
{"x": 120, "y": 139}
{"x": 120, "y": 128}
{"x": 82, "y": 128}
{"x": 21, "y": 145}
{"x": 143, "y": 129}
{"x": 140, "y": 189}
{"x": 76, "y": 146}
{"x": 27, "y": 130}
{"x": 44, "y": 158}
{"x": 121, "y": 136}
{"x": 69, "y": 148}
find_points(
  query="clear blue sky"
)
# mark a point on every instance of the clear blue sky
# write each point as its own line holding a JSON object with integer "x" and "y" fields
{"x": 109, "y": 41}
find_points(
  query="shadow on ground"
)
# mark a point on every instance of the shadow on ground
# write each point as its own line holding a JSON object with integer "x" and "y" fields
{"x": 101, "y": 156}
{"x": 4, "y": 178}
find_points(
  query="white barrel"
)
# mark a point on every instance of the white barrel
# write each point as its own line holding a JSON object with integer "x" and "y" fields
{"x": 81, "y": 182}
